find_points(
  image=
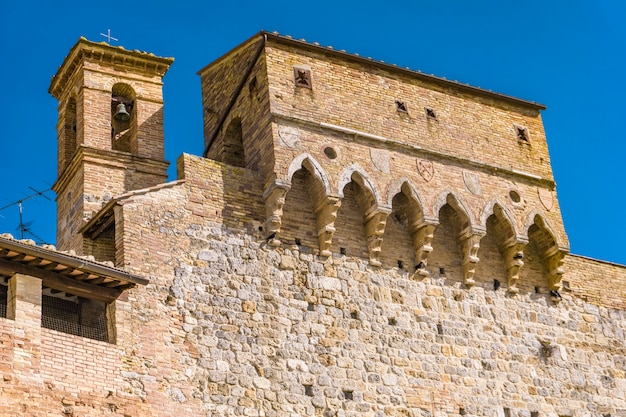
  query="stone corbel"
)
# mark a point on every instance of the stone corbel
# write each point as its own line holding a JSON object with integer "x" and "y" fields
{"x": 469, "y": 242}
{"x": 514, "y": 261}
{"x": 375, "y": 221}
{"x": 422, "y": 234}
{"x": 274, "y": 197}
{"x": 554, "y": 265}
{"x": 326, "y": 212}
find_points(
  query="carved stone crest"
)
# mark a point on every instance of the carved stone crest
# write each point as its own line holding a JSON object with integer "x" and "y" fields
{"x": 472, "y": 182}
{"x": 289, "y": 136}
{"x": 425, "y": 169}
{"x": 380, "y": 160}
{"x": 545, "y": 196}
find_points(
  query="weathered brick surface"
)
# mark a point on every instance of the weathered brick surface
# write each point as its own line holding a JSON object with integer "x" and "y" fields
{"x": 233, "y": 324}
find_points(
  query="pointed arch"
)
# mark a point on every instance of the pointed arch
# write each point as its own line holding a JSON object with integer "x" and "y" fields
{"x": 543, "y": 256}
{"x": 404, "y": 185}
{"x": 403, "y": 239}
{"x": 453, "y": 200}
{"x": 497, "y": 208}
{"x": 498, "y": 248}
{"x": 536, "y": 217}
{"x": 357, "y": 174}
{"x": 308, "y": 162}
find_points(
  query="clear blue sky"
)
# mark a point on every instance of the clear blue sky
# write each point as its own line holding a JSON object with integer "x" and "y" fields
{"x": 567, "y": 54}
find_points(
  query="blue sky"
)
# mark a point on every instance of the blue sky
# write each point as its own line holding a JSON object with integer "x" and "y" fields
{"x": 569, "y": 55}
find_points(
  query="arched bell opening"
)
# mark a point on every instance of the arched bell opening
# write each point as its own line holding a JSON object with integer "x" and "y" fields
{"x": 123, "y": 119}
{"x": 68, "y": 134}
{"x": 398, "y": 244}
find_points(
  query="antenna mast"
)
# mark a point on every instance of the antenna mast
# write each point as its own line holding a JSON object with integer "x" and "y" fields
{"x": 25, "y": 227}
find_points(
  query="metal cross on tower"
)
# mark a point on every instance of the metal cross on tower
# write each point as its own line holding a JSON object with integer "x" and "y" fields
{"x": 108, "y": 36}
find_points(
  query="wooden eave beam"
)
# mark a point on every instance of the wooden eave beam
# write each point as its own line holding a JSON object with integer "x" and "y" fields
{"x": 58, "y": 282}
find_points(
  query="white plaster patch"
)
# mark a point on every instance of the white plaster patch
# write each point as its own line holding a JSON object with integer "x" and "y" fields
{"x": 472, "y": 182}
{"x": 380, "y": 160}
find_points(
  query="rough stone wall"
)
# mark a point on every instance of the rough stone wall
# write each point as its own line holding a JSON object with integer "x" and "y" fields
{"x": 282, "y": 332}
{"x": 230, "y": 326}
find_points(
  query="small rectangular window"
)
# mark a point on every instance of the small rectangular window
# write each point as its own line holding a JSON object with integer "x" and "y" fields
{"x": 74, "y": 315}
{"x": 4, "y": 290}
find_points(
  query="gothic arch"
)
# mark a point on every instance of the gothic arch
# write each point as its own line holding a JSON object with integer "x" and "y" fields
{"x": 407, "y": 235}
{"x": 451, "y": 198}
{"x": 545, "y": 255}
{"x": 309, "y": 163}
{"x": 535, "y": 217}
{"x": 361, "y": 178}
{"x": 490, "y": 208}
{"x": 400, "y": 185}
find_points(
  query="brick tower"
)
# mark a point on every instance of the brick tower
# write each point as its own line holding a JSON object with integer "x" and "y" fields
{"x": 110, "y": 131}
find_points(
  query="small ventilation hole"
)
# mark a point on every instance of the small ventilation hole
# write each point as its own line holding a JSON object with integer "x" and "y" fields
{"x": 401, "y": 106}
{"x": 430, "y": 113}
{"x": 330, "y": 152}
{"x": 348, "y": 395}
{"x": 302, "y": 77}
{"x": 342, "y": 251}
{"x": 522, "y": 134}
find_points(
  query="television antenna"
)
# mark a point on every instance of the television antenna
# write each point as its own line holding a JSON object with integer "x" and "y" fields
{"x": 25, "y": 227}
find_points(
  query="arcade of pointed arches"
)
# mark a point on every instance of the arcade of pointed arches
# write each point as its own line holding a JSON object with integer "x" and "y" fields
{"x": 401, "y": 232}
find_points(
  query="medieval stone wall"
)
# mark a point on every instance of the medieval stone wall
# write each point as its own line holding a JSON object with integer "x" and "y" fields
{"x": 345, "y": 254}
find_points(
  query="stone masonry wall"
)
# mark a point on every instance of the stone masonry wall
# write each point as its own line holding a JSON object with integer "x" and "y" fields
{"x": 263, "y": 331}
{"x": 229, "y": 326}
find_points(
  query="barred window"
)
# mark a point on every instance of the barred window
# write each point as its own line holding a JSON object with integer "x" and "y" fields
{"x": 3, "y": 300}
{"x": 74, "y": 315}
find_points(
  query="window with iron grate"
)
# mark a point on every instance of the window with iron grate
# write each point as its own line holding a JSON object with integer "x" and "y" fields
{"x": 3, "y": 300}
{"x": 75, "y": 315}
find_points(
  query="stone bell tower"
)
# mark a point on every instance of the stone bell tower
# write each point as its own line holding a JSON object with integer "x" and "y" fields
{"x": 110, "y": 131}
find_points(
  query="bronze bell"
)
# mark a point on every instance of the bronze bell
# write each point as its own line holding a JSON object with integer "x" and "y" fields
{"x": 121, "y": 115}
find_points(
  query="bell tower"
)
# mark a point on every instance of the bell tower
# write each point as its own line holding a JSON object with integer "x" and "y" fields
{"x": 110, "y": 131}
